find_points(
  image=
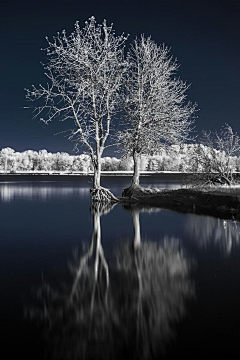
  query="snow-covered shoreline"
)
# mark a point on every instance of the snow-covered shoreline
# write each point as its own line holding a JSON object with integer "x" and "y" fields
{"x": 76, "y": 173}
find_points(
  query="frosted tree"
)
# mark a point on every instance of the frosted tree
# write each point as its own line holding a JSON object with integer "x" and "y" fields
{"x": 216, "y": 156}
{"x": 84, "y": 72}
{"x": 7, "y": 159}
{"x": 154, "y": 103}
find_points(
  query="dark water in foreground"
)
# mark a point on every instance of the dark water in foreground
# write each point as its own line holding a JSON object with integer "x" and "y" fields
{"x": 136, "y": 283}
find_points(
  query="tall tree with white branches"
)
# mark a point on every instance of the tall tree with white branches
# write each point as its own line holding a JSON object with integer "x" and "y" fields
{"x": 84, "y": 72}
{"x": 156, "y": 111}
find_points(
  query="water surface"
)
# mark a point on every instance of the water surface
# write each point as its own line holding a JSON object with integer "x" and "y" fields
{"x": 142, "y": 282}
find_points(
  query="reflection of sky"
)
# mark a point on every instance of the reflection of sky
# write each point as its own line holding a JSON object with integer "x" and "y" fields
{"x": 9, "y": 192}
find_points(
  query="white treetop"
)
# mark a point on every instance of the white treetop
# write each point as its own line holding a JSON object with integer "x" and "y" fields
{"x": 154, "y": 100}
{"x": 84, "y": 72}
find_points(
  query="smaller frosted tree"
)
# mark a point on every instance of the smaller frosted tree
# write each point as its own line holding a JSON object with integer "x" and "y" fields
{"x": 216, "y": 155}
{"x": 156, "y": 112}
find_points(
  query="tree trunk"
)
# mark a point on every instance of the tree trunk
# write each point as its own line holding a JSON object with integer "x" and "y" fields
{"x": 136, "y": 169}
{"x": 129, "y": 192}
{"x": 100, "y": 194}
{"x": 97, "y": 174}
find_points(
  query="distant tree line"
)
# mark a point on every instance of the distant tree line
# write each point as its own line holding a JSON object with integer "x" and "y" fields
{"x": 183, "y": 158}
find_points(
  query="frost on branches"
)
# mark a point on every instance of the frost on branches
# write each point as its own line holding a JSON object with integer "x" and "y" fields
{"x": 154, "y": 103}
{"x": 216, "y": 157}
{"x": 84, "y": 72}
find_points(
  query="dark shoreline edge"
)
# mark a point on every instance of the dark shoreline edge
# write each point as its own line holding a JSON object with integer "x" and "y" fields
{"x": 209, "y": 202}
{"x": 222, "y": 205}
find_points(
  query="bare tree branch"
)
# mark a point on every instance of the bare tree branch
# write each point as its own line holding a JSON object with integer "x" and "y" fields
{"x": 153, "y": 102}
{"x": 85, "y": 74}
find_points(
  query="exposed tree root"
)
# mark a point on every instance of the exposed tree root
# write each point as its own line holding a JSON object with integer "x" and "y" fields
{"x": 102, "y": 195}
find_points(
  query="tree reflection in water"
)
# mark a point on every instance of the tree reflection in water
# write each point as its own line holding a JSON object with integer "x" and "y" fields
{"x": 124, "y": 309}
{"x": 158, "y": 285}
{"x": 208, "y": 230}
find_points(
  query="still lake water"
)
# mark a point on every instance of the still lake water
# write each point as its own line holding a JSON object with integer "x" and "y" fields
{"x": 136, "y": 283}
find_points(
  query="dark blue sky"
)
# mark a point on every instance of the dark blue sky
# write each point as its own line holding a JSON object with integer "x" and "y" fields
{"x": 203, "y": 35}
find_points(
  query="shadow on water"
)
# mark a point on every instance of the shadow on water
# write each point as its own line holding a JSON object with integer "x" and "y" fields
{"x": 124, "y": 307}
